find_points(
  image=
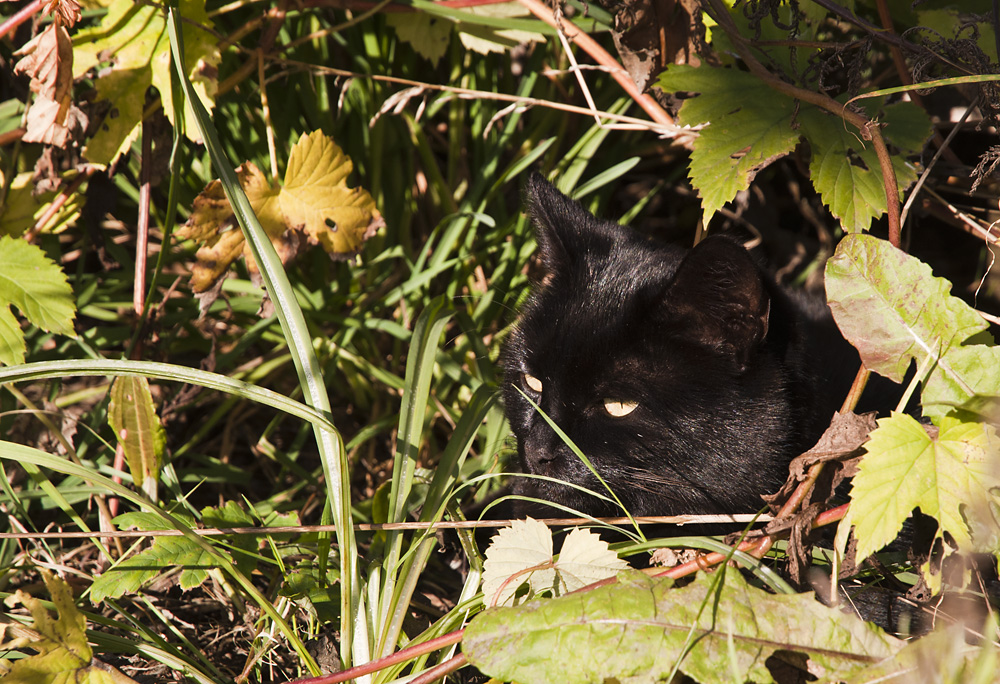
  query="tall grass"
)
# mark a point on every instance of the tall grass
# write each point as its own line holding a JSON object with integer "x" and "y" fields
{"x": 371, "y": 395}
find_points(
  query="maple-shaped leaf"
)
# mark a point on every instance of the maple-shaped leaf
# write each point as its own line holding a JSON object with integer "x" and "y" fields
{"x": 892, "y": 308}
{"x": 585, "y": 558}
{"x": 749, "y": 126}
{"x": 638, "y": 630}
{"x": 63, "y": 653}
{"x": 522, "y": 553}
{"x": 37, "y": 287}
{"x": 133, "y": 37}
{"x": 948, "y": 477}
{"x": 132, "y": 416}
{"x": 314, "y": 206}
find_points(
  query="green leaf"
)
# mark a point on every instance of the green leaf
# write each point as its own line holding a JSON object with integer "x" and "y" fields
{"x": 948, "y": 477}
{"x": 943, "y": 657}
{"x": 427, "y": 35}
{"x": 889, "y": 305}
{"x": 638, "y": 629}
{"x": 749, "y": 126}
{"x": 243, "y": 546}
{"x": 133, "y": 37}
{"x": 132, "y": 415}
{"x": 37, "y": 287}
{"x": 846, "y": 171}
{"x": 129, "y": 575}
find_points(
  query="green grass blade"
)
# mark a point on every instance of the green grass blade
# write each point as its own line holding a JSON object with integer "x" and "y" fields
{"x": 29, "y": 456}
{"x": 419, "y": 369}
{"x": 331, "y": 446}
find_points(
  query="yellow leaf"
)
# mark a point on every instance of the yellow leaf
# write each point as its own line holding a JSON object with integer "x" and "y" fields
{"x": 132, "y": 415}
{"x": 314, "y": 206}
{"x": 316, "y": 196}
{"x": 62, "y": 651}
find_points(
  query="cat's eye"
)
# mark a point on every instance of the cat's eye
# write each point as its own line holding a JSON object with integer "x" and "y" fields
{"x": 619, "y": 408}
{"x": 533, "y": 383}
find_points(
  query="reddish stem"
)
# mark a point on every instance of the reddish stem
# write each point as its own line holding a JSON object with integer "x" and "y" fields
{"x": 20, "y": 17}
{"x": 396, "y": 658}
{"x": 142, "y": 227}
{"x": 601, "y": 56}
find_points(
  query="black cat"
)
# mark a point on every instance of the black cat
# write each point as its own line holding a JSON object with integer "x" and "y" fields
{"x": 687, "y": 377}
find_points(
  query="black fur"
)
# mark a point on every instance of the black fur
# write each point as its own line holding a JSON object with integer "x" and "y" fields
{"x": 723, "y": 364}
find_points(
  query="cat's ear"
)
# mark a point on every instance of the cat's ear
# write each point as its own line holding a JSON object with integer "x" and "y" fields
{"x": 720, "y": 291}
{"x": 558, "y": 220}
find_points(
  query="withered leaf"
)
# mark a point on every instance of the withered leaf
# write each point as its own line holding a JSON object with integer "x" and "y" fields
{"x": 313, "y": 206}
{"x": 47, "y": 59}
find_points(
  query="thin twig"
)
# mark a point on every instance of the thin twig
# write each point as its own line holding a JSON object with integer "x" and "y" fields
{"x": 380, "y": 527}
{"x": 592, "y": 48}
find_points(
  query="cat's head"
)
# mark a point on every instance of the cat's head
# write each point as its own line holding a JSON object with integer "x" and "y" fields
{"x": 661, "y": 364}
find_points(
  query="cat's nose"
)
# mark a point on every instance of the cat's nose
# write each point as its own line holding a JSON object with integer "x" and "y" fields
{"x": 540, "y": 449}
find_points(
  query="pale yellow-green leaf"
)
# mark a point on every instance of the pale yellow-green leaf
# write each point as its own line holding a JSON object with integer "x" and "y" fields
{"x": 133, "y": 38}
{"x": 120, "y": 128}
{"x": 585, "y": 558}
{"x": 427, "y": 35}
{"x": 518, "y": 554}
{"x": 947, "y": 476}
{"x": 132, "y": 415}
{"x": 523, "y": 553}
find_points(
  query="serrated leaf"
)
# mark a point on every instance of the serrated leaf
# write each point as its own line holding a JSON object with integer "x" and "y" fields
{"x": 585, "y": 558}
{"x": 636, "y": 630}
{"x": 63, "y": 653}
{"x": 314, "y": 206}
{"x": 749, "y": 126}
{"x": 846, "y": 171}
{"x": 35, "y": 285}
{"x": 132, "y": 415}
{"x": 522, "y": 554}
{"x": 889, "y": 305}
{"x": 133, "y": 36}
{"x": 242, "y": 546}
{"x": 947, "y": 477}
{"x": 129, "y": 575}
{"x": 518, "y": 554}
{"x": 427, "y": 35}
